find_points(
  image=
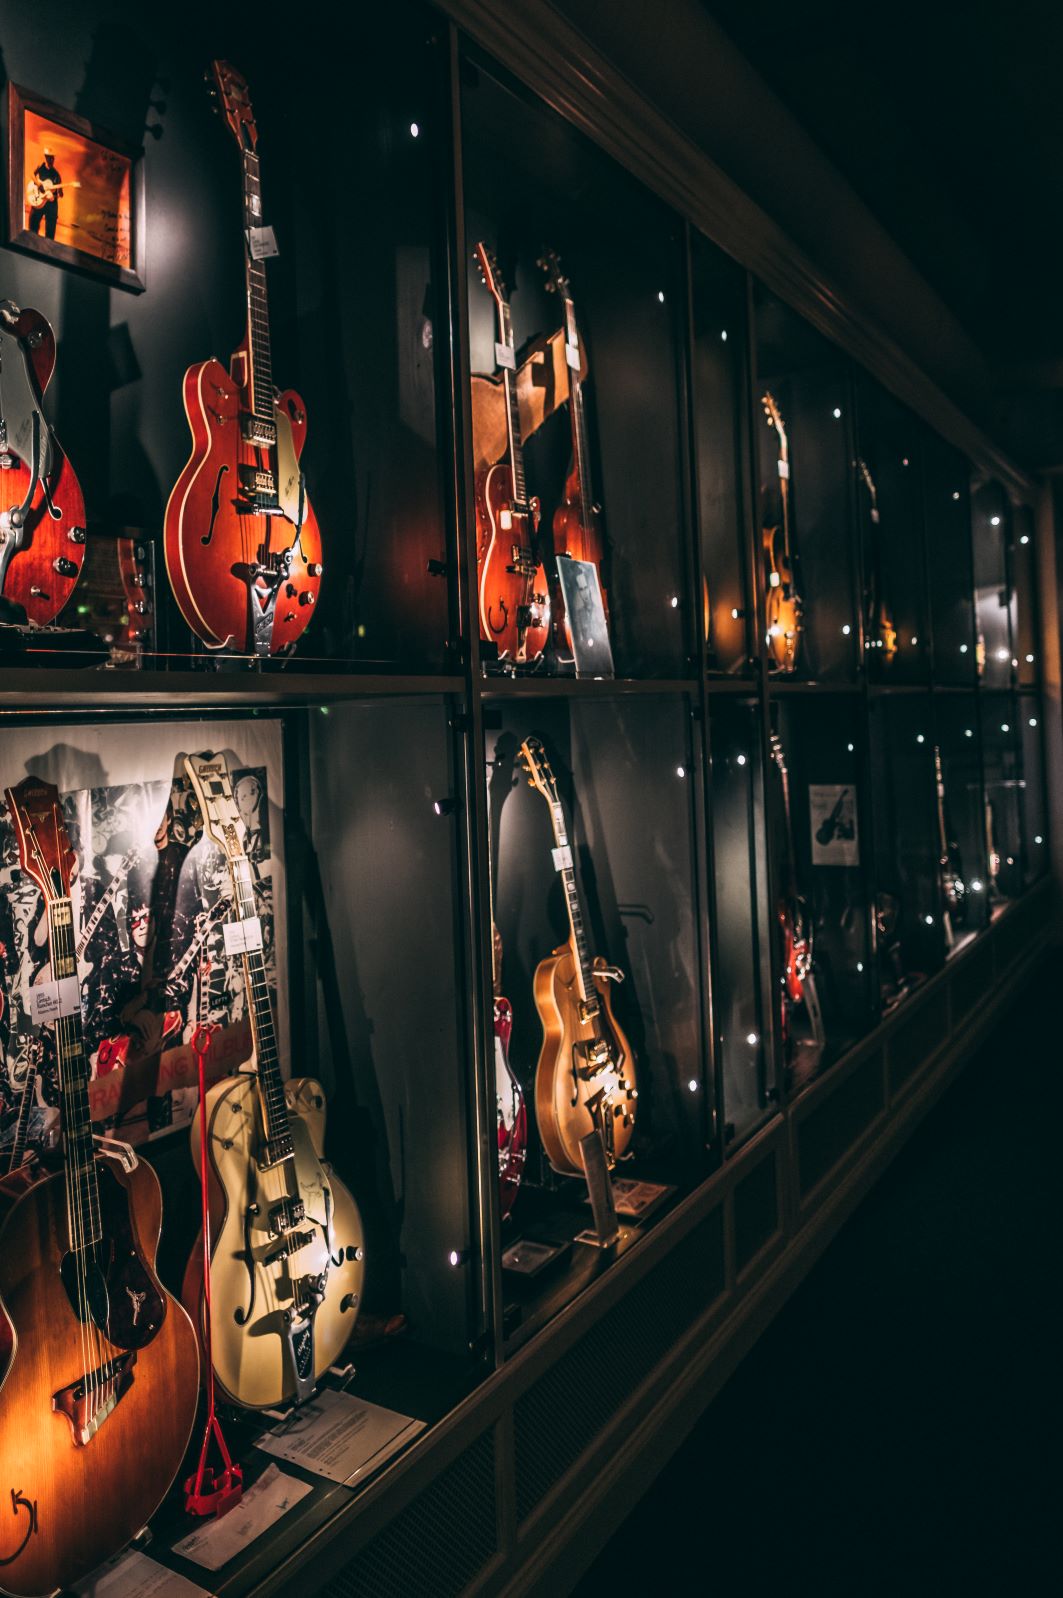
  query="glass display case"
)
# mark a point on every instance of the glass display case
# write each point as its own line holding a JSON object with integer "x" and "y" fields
{"x": 1026, "y": 613}
{"x": 993, "y": 595}
{"x": 820, "y": 828}
{"x": 805, "y": 455}
{"x": 961, "y": 831}
{"x": 907, "y": 907}
{"x": 947, "y": 515}
{"x": 742, "y": 994}
{"x": 588, "y": 360}
{"x": 1034, "y": 813}
{"x": 1002, "y": 797}
{"x": 597, "y": 954}
{"x": 718, "y": 294}
{"x": 889, "y": 490}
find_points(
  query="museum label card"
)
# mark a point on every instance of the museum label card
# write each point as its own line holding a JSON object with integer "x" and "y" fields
{"x": 341, "y": 1437}
{"x": 241, "y": 937}
{"x": 832, "y": 814}
{"x": 215, "y": 1542}
{"x": 134, "y": 1575}
{"x": 50, "y": 1001}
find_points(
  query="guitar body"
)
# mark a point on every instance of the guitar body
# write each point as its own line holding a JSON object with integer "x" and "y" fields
{"x": 514, "y": 604}
{"x": 210, "y": 541}
{"x": 572, "y": 536}
{"x": 75, "y": 1504}
{"x": 782, "y": 604}
{"x": 561, "y": 1096}
{"x": 258, "y": 1334}
{"x": 42, "y": 573}
{"x": 512, "y": 1112}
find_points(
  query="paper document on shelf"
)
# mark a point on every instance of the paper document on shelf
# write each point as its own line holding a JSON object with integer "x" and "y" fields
{"x": 215, "y": 1542}
{"x": 134, "y": 1575}
{"x": 341, "y": 1437}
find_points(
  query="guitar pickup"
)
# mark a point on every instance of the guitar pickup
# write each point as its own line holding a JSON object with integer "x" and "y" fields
{"x": 256, "y": 430}
{"x": 286, "y": 1215}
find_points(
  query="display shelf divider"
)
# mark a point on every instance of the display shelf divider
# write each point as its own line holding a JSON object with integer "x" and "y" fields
{"x": 25, "y": 690}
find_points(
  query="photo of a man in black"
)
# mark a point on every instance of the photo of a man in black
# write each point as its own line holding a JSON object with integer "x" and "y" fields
{"x": 48, "y": 213}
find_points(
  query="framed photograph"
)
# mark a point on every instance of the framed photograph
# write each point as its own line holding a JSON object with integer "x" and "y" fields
{"x": 75, "y": 193}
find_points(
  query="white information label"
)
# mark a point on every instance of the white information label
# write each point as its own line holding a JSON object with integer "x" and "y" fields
{"x": 215, "y": 1542}
{"x": 504, "y": 356}
{"x": 784, "y": 469}
{"x": 832, "y": 815}
{"x": 242, "y": 936}
{"x": 341, "y": 1437}
{"x": 562, "y": 858}
{"x": 262, "y": 242}
{"x": 134, "y": 1575}
{"x": 51, "y": 1001}
{"x": 572, "y": 356}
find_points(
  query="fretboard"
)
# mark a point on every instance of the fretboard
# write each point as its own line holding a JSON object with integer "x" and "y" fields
{"x": 516, "y": 443}
{"x": 263, "y": 1030}
{"x": 83, "y": 1198}
{"x": 588, "y": 991}
{"x": 580, "y": 451}
{"x": 261, "y": 374}
{"x": 25, "y": 1112}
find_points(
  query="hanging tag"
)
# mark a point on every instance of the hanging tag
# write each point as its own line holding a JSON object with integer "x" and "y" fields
{"x": 784, "y": 470}
{"x": 874, "y": 515}
{"x": 572, "y": 356}
{"x": 504, "y": 356}
{"x": 241, "y": 937}
{"x": 262, "y": 241}
{"x": 51, "y": 1001}
{"x": 562, "y": 858}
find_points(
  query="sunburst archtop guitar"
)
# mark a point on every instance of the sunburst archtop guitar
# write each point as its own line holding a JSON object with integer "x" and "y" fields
{"x": 783, "y": 607}
{"x": 585, "y": 1077}
{"x": 242, "y": 544}
{"x": 287, "y": 1260}
{"x": 99, "y": 1395}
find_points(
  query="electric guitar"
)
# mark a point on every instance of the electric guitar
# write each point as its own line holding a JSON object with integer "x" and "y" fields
{"x": 783, "y": 607}
{"x": 578, "y": 529}
{"x": 42, "y": 508}
{"x": 287, "y": 1263}
{"x": 242, "y": 545}
{"x": 40, "y": 190}
{"x": 952, "y": 886}
{"x": 585, "y": 1077}
{"x": 513, "y": 599}
{"x": 103, "y": 904}
{"x": 509, "y": 1095}
{"x": 798, "y": 982}
{"x": 99, "y": 1396}
{"x": 880, "y": 630}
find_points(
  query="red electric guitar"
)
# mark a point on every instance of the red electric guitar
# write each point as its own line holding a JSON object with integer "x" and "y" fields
{"x": 42, "y": 509}
{"x": 514, "y": 603}
{"x": 577, "y": 520}
{"x": 242, "y": 544}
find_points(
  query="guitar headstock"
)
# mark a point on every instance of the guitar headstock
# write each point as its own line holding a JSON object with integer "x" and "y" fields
{"x": 492, "y": 277}
{"x": 44, "y": 850}
{"x": 536, "y": 763}
{"x": 209, "y": 775}
{"x": 777, "y": 752}
{"x": 869, "y": 482}
{"x": 233, "y": 100}
{"x": 556, "y": 280}
{"x": 774, "y": 415}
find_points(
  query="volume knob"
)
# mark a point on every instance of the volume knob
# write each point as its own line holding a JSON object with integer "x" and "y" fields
{"x": 65, "y": 567}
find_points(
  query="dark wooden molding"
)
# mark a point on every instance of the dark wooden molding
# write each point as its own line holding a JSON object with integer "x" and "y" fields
{"x": 538, "y": 46}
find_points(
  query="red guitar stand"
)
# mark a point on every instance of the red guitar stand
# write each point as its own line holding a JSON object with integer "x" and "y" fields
{"x": 211, "y": 1491}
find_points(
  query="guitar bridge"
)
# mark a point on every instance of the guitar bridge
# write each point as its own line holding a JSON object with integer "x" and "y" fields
{"x": 88, "y": 1402}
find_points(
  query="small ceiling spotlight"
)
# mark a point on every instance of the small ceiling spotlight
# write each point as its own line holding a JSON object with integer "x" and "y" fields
{"x": 444, "y": 807}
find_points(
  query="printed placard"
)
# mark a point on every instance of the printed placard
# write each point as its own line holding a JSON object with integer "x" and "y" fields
{"x": 51, "y": 1001}
{"x": 504, "y": 356}
{"x": 241, "y": 937}
{"x": 262, "y": 242}
{"x": 832, "y": 816}
{"x": 784, "y": 470}
{"x": 340, "y": 1437}
{"x": 134, "y": 1575}
{"x": 562, "y": 857}
{"x": 572, "y": 356}
{"x": 215, "y": 1542}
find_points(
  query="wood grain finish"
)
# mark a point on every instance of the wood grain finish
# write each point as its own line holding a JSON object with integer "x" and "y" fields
{"x": 561, "y": 1095}
{"x": 76, "y": 1505}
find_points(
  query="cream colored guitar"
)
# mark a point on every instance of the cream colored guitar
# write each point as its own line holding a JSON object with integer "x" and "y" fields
{"x": 287, "y": 1259}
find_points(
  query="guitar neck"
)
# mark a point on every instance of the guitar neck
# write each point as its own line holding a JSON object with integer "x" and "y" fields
{"x": 260, "y": 375}
{"x": 578, "y": 416}
{"x": 584, "y": 964}
{"x": 263, "y": 1030}
{"x": 82, "y": 1192}
{"x": 516, "y": 443}
{"x": 22, "y": 1125}
{"x": 107, "y": 898}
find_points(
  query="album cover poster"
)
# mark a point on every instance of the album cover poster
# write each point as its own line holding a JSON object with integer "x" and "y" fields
{"x": 151, "y": 899}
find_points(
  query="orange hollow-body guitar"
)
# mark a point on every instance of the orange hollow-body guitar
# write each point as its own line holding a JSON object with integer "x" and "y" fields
{"x": 783, "y": 607}
{"x": 42, "y": 509}
{"x": 585, "y": 1078}
{"x": 100, "y": 1387}
{"x": 242, "y": 544}
{"x": 514, "y": 600}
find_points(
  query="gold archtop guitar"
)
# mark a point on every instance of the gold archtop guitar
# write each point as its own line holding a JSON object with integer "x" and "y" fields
{"x": 783, "y": 607}
{"x": 287, "y": 1258}
{"x": 585, "y": 1077}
